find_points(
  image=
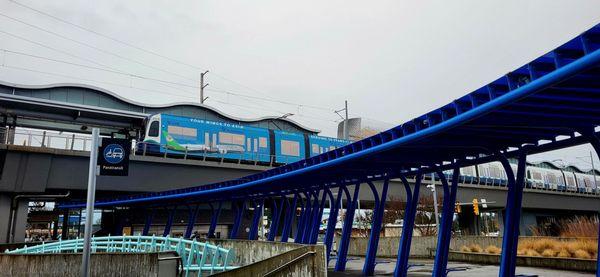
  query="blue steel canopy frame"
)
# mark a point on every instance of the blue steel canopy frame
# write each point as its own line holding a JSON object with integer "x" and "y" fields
{"x": 550, "y": 103}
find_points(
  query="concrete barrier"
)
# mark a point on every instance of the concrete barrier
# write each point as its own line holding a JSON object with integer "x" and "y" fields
{"x": 304, "y": 261}
{"x": 555, "y": 263}
{"x": 101, "y": 264}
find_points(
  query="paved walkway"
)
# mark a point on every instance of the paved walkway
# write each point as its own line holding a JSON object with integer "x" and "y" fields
{"x": 385, "y": 267}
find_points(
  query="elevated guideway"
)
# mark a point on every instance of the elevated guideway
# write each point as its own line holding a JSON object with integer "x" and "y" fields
{"x": 547, "y": 104}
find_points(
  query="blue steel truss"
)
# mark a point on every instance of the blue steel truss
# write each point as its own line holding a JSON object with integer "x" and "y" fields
{"x": 550, "y": 103}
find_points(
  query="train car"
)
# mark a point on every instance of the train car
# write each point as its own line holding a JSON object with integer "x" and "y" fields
{"x": 289, "y": 147}
{"x": 492, "y": 174}
{"x": 585, "y": 182}
{"x": 319, "y": 145}
{"x": 468, "y": 174}
{"x": 545, "y": 178}
{"x": 198, "y": 137}
{"x": 570, "y": 181}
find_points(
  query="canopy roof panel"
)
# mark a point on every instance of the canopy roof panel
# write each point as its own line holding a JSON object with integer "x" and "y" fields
{"x": 542, "y": 105}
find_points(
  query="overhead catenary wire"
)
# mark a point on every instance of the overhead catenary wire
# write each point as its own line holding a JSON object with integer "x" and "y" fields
{"x": 299, "y": 106}
{"x": 95, "y": 47}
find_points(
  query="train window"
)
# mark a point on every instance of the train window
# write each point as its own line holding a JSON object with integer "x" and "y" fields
{"x": 262, "y": 142}
{"x": 290, "y": 148}
{"x": 255, "y": 145}
{"x": 230, "y": 138}
{"x": 331, "y": 148}
{"x": 153, "y": 130}
{"x": 467, "y": 171}
{"x": 182, "y": 131}
{"x": 537, "y": 175}
{"x": 551, "y": 178}
{"x": 315, "y": 148}
{"x": 248, "y": 144}
{"x": 570, "y": 181}
{"x": 207, "y": 139}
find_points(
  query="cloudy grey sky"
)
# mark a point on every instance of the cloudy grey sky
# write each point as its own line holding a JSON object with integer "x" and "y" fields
{"x": 392, "y": 60}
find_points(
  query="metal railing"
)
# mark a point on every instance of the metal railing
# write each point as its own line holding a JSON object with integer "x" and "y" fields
{"x": 196, "y": 257}
{"x": 48, "y": 139}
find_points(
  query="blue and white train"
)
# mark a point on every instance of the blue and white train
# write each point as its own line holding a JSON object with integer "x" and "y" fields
{"x": 537, "y": 177}
{"x": 211, "y": 139}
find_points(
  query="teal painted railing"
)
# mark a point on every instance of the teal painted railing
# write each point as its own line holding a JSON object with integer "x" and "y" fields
{"x": 197, "y": 257}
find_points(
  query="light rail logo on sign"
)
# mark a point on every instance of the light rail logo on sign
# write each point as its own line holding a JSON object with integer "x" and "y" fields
{"x": 113, "y": 158}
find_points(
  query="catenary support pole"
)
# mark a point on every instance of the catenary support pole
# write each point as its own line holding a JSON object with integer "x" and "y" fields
{"x": 513, "y": 214}
{"x": 378, "y": 211}
{"x": 340, "y": 264}
{"x": 412, "y": 200}
{"x": 89, "y": 207}
{"x": 445, "y": 232}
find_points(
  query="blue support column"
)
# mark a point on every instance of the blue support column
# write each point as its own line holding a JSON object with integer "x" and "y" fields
{"x": 445, "y": 233}
{"x": 148, "y": 223}
{"x": 305, "y": 209}
{"x": 309, "y": 214}
{"x": 378, "y": 211}
{"x": 340, "y": 264}
{"x": 253, "y": 235}
{"x": 169, "y": 223}
{"x": 289, "y": 219}
{"x": 308, "y": 224}
{"x": 237, "y": 221}
{"x": 332, "y": 221}
{"x": 193, "y": 214}
{"x": 514, "y": 198}
{"x": 317, "y": 220}
{"x": 595, "y": 142}
{"x": 277, "y": 211}
{"x": 412, "y": 200}
{"x": 214, "y": 220}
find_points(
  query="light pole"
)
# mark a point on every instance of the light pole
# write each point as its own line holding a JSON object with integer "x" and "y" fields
{"x": 89, "y": 206}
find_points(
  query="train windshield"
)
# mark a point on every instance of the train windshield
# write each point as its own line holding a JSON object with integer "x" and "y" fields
{"x": 153, "y": 130}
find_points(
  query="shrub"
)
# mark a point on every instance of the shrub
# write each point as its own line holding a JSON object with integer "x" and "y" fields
{"x": 492, "y": 249}
{"x": 582, "y": 254}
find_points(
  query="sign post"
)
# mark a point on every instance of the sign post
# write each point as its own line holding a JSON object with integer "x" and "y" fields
{"x": 89, "y": 207}
{"x": 108, "y": 157}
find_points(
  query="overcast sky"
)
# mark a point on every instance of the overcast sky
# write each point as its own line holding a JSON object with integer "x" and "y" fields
{"x": 392, "y": 60}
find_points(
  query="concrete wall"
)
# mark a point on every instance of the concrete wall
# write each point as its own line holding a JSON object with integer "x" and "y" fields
{"x": 252, "y": 251}
{"x": 305, "y": 261}
{"x": 102, "y": 264}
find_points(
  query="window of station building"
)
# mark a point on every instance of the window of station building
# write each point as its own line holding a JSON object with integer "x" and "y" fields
{"x": 182, "y": 131}
{"x": 537, "y": 175}
{"x": 230, "y": 138}
{"x": 153, "y": 130}
{"x": 588, "y": 182}
{"x": 468, "y": 171}
{"x": 570, "y": 181}
{"x": 262, "y": 142}
{"x": 290, "y": 148}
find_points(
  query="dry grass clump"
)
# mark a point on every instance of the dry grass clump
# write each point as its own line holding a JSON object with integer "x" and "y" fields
{"x": 465, "y": 248}
{"x": 475, "y": 248}
{"x": 548, "y": 253}
{"x": 531, "y": 252}
{"x": 563, "y": 253}
{"x": 579, "y": 226}
{"x": 582, "y": 254}
{"x": 492, "y": 249}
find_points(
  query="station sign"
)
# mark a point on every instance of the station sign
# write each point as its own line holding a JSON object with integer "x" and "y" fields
{"x": 113, "y": 157}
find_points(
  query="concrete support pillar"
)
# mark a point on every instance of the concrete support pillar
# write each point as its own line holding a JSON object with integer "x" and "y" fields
{"x": 20, "y": 221}
{"x": 4, "y": 217}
